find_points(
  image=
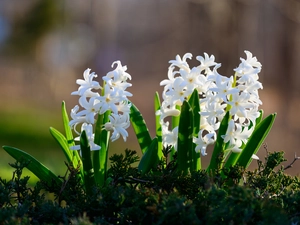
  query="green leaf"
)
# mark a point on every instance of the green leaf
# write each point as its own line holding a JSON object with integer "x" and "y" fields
{"x": 37, "y": 168}
{"x": 158, "y": 126}
{"x": 185, "y": 139}
{"x": 140, "y": 128}
{"x": 67, "y": 127}
{"x": 100, "y": 157}
{"x": 62, "y": 141}
{"x": 218, "y": 152}
{"x": 68, "y": 141}
{"x": 150, "y": 159}
{"x": 69, "y": 136}
{"x": 72, "y": 156}
{"x": 89, "y": 180}
{"x": 195, "y": 106}
{"x": 255, "y": 141}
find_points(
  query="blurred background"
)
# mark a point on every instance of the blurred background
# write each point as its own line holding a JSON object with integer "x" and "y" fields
{"x": 46, "y": 45}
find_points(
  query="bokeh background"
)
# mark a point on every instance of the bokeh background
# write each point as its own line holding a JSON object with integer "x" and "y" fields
{"x": 46, "y": 45}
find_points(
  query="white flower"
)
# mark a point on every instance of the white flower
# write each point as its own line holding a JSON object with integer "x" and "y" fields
{"x": 230, "y": 133}
{"x": 191, "y": 79}
{"x": 170, "y": 137}
{"x": 124, "y": 107}
{"x": 76, "y": 119}
{"x": 116, "y": 80}
{"x": 238, "y": 94}
{"x": 204, "y": 125}
{"x": 178, "y": 93}
{"x": 252, "y": 115}
{"x": 248, "y": 69}
{"x": 88, "y": 128}
{"x": 202, "y": 141}
{"x": 91, "y": 108}
{"x": 206, "y": 62}
{"x": 213, "y": 112}
{"x": 223, "y": 87}
{"x": 118, "y": 125}
{"x": 181, "y": 63}
{"x": 252, "y": 60}
{"x": 119, "y": 74}
{"x": 240, "y": 103}
{"x": 212, "y": 75}
{"x": 87, "y": 84}
{"x": 247, "y": 75}
{"x": 114, "y": 99}
{"x": 236, "y": 135}
{"x": 204, "y": 84}
{"x": 252, "y": 89}
{"x": 109, "y": 100}
{"x": 166, "y": 111}
{"x": 168, "y": 83}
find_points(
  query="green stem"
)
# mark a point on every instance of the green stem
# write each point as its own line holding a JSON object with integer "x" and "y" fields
{"x": 158, "y": 127}
{"x": 100, "y": 157}
{"x": 175, "y": 123}
{"x": 89, "y": 180}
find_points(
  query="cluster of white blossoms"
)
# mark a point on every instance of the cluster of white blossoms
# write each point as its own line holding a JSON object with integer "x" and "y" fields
{"x": 113, "y": 98}
{"x": 237, "y": 94}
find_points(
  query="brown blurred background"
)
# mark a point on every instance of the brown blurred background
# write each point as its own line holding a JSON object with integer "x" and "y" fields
{"x": 46, "y": 45}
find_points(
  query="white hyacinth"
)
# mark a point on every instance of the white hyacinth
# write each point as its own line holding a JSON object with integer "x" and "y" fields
{"x": 237, "y": 93}
{"x": 92, "y": 103}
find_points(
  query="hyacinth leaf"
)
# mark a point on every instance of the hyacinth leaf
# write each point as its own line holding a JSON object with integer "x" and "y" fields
{"x": 70, "y": 140}
{"x": 100, "y": 157}
{"x": 69, "y": 154}
{"x": 218, "y": 152}
{"x": 67, "y": 127}
{"x": 195, "y": 106}
{"x": 150, "y": 159}
{"x": 231, "y": 161}
{"x": 89, "y": 180}
{"x": 140, "y": 128}
{"x": 37, "y": 168}
{"x": 185, "y": 139}
{"x": 255, "y": 141}
{"x": 158, "y": 126}
{"x": 63, "y": 142}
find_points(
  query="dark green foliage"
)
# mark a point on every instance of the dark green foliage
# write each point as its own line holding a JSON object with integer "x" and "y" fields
{"x": 232, "y": 196}
{"x": 121, "y": 170}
